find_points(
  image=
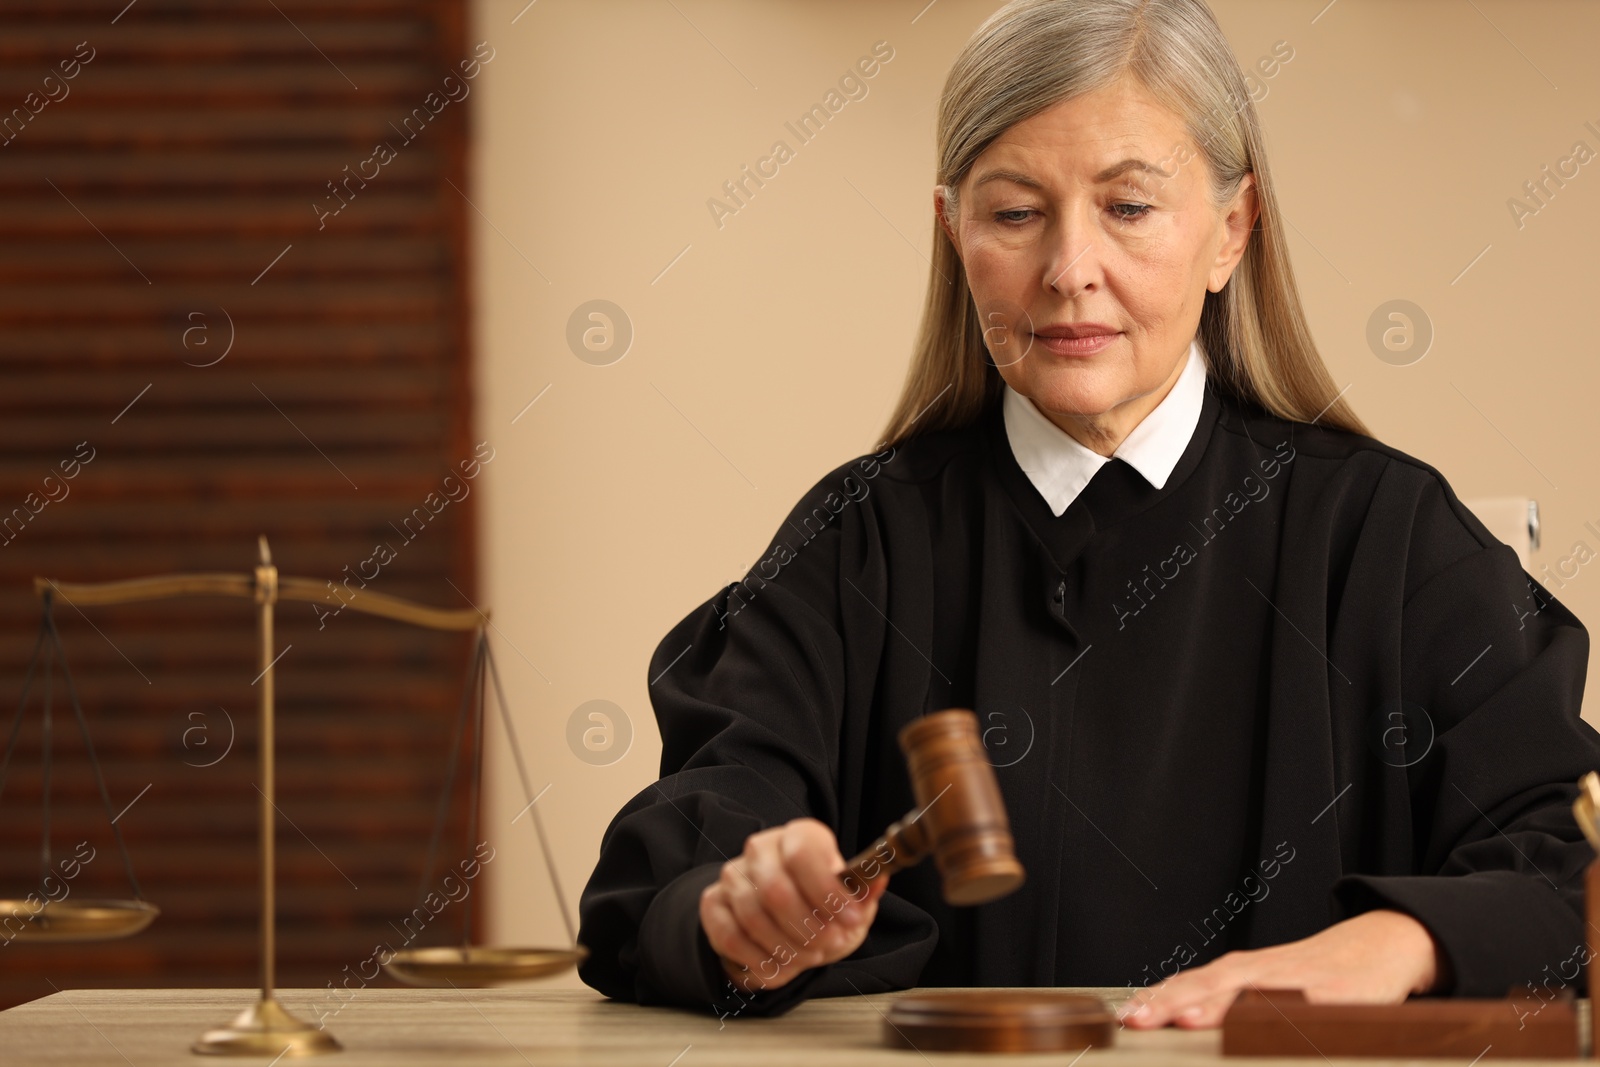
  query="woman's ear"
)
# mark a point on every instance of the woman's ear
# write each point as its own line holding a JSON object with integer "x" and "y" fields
{"x": 939, "y": 204}
{"x": 1238, "y": 225}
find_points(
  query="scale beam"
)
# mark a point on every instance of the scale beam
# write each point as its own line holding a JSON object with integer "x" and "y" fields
{"x": 243, "y": 586}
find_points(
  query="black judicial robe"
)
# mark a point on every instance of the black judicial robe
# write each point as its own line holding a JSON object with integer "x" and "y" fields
{"x": 1299, "y": 681}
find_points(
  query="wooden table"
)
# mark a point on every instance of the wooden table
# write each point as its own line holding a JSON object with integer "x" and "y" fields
{"x": 532, "y": 1027}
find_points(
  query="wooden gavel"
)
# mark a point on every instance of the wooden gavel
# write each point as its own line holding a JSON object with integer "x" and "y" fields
{"x": 960, "y": 817}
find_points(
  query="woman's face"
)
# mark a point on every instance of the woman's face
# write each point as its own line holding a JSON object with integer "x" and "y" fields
{"x": 1089, "y": 240}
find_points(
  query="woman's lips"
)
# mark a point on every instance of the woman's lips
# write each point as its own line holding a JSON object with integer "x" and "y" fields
{"x": 1077, "y": 346}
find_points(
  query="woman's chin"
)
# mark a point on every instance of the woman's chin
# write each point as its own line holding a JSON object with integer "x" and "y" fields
{"x": 1080, "y": 399}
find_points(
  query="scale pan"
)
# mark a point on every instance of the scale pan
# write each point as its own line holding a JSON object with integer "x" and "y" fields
{"x": 480, "y": 965}
{"x": 77, "y": 920}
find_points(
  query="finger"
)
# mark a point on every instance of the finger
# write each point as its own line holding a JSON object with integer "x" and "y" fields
{"x": 818, "y": 936}
{"x": 1136, "y": 1012}
{"x": 746, "y": 897}
{"x": 850, "y": 927}
{"x": 810, "y": 928}
{"x": 1132, "y": 1004}
{"x": 862, "y": 901}
{"x": 1167, "y": 1000}
{"x": 841, "y": 919}
{"x": 1208, "y": 1013}
{"x": 810, "y": 853}
{"x": 865, "y": 895}
{"x": 726, "y": 935}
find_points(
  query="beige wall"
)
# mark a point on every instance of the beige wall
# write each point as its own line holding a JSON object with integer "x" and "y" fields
{"x": 772, "y": 349}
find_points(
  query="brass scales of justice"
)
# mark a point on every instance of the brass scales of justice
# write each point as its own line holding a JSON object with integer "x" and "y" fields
{"x": 266, "y": 1027}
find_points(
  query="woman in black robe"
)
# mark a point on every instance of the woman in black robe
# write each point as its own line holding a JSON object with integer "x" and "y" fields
{"x": 1267, "y": 705}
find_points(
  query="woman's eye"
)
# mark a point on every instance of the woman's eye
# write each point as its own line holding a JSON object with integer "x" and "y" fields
{"x": 1126, "y": 211}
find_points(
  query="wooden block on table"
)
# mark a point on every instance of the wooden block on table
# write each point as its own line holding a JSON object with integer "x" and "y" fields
{"x": 999, "y": 1020}
{"x": 1280, "y": 1022}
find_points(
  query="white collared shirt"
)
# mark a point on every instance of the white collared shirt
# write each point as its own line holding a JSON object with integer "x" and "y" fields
{"x": 1059, "y": 467}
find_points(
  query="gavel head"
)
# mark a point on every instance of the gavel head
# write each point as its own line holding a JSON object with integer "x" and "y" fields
{"x": 960, "y": 813}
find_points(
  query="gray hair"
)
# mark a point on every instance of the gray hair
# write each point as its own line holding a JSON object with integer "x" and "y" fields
{"x": 1031, "y": 55}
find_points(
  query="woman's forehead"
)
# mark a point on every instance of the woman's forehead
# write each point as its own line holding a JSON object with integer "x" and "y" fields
{"x": 1099, "y": 136}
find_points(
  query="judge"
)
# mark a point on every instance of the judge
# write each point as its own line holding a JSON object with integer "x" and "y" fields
{"x": 1267, "y": 705}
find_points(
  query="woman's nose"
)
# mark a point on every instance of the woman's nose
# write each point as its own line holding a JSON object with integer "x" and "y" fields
{"x": 1073, "y": 263}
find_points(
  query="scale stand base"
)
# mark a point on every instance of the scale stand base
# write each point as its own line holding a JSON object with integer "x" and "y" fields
{"x": 266, "y": 1028}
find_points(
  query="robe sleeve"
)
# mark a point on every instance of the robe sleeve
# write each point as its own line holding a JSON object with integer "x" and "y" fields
{"x": 749, "y": 694}
{"x": 1498, "y": 667}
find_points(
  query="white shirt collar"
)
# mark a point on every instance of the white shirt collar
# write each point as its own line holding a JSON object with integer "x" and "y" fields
{"x": 1059, "y": 467}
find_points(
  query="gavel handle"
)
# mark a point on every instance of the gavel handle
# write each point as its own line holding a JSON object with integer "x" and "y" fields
{"x": 904, "y": 844}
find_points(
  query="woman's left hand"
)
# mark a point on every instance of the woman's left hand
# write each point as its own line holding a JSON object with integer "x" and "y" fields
{"x": 1377, "y": 957}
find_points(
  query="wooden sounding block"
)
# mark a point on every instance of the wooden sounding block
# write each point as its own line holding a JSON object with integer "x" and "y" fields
{"x": 1280, "y": 1022}
{"x": 999, "y": 1020}
{"x": 960, "y": 817}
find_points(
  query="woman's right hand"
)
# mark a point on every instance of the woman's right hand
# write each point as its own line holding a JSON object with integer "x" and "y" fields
{"x": 779, "y": 907}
